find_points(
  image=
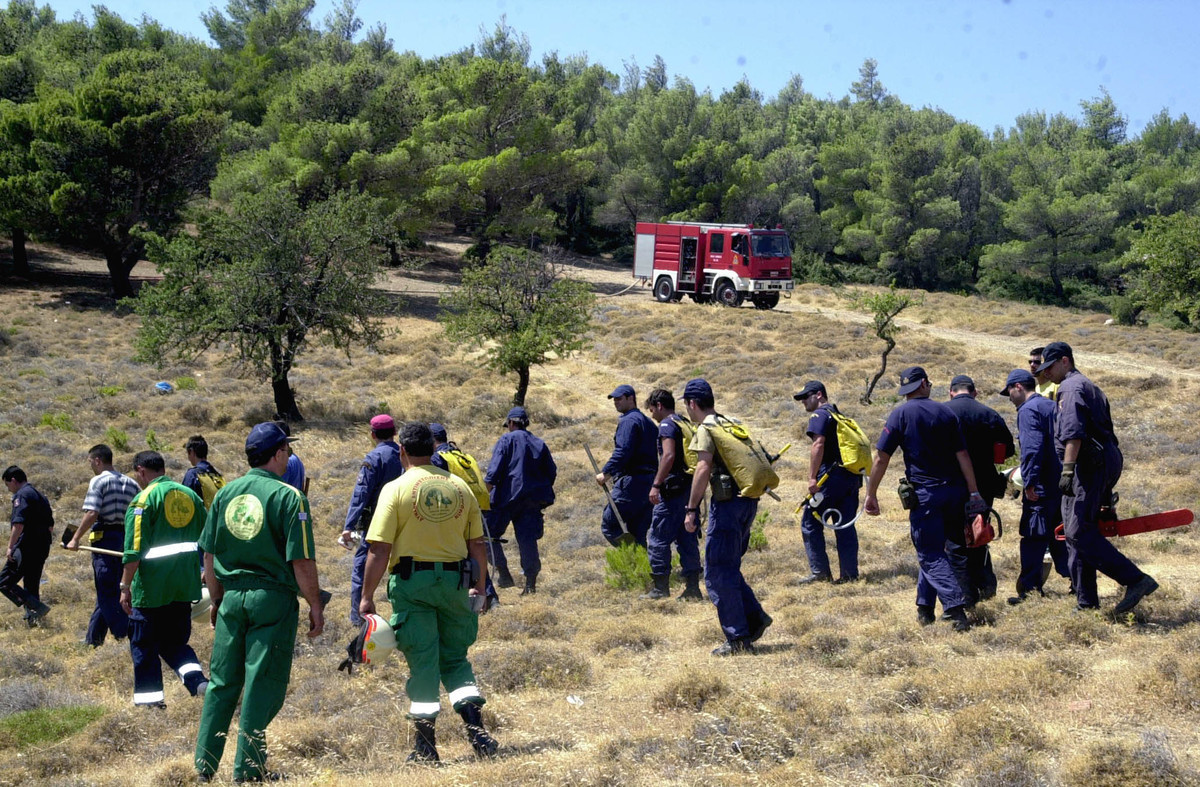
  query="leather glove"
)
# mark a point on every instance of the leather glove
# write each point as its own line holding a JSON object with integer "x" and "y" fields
{"x": 976, "y": 505}
{"x": 1066, "y": 481}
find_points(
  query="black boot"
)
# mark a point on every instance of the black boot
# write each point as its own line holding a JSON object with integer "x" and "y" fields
{"x": 530, "y": 585}
{"x": 661, "y": 589}
{"x": 503, "y": 578}
{"x": 483, "y": 744}
{"x": 692, "y": 591}
{"x": 425, "y": 745}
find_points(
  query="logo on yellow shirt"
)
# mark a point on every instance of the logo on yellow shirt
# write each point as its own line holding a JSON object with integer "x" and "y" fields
{"x": 437, "y": 499}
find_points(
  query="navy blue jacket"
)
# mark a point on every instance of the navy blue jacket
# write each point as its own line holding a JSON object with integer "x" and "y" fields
{"x": 930, "y": 435}
{"x": 1040, "y": 465}
{"x": 1083, "y": 414}
{"x": 191, "y": 479}
{"x": 982, "y": 429}
{"x": 379, "y": 466}
{"x": 521, "y": 472}
{"x": 635, "y": 446}
{"x": 32, "y": 510}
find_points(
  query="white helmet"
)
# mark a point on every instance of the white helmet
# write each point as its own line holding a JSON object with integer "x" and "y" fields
{"x": 1014, "y": 477}
{"x": 378, "y": 639}
{"x": 200, "y": 608}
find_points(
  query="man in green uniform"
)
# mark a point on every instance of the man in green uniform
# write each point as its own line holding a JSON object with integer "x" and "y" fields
{"x": 160, "y": 580}
{"x": 259, "y": 553}
{"x": 426, "y": 525}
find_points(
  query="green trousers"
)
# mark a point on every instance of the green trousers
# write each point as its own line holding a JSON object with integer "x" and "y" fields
{"x": 434, "y": 627}
{"x": 251, "y": 660}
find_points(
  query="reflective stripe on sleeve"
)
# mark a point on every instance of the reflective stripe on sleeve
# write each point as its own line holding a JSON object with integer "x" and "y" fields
{"x": 170, "y": 550}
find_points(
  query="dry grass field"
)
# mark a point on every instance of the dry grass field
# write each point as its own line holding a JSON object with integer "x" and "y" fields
{"x": 591, "y": 686}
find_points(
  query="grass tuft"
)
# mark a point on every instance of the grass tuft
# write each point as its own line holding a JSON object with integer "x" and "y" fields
{"x": 627, "y": 567}
{"x": 532, "y": 667}
{"x": 45, "y": 725}
{"x": 690, "y": 691}
{"x": 59, "y": 422}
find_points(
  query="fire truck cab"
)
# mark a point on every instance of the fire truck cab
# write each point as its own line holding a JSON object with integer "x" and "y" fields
{"x": 725, "y": 263}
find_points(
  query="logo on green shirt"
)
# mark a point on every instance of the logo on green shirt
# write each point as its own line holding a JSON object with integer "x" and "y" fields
{"x": 244, "y": 517}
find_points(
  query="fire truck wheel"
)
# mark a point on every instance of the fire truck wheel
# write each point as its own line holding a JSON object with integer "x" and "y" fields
{"x": 768, "y": 300}
{"x": 663, "y": 291}
{"x": 726, "y": 295}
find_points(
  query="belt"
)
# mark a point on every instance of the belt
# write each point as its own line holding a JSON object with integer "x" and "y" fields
{"x": 426, "y": 565}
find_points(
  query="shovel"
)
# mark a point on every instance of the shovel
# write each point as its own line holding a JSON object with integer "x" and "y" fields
{"x": 625, "y": 537}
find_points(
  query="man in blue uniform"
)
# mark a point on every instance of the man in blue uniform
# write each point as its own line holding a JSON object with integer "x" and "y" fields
{"x": 28, "y": 545}
{"x": 742, "y": 618}
{"x": 989, "y": 441}
{"x": 381, "y": 464}
{"x": 1041, "y": 503}
{"x": 938, "y": 471}
{"x": 202, "y": 478}
{"x": 631, "y": 468}
{"x": 108, "y": 496}
{"x": 1092, "y": 464}
{"x": 295, "y": 474}
{"x": 668, "y": 494}
{"x": 520, "y": 480}
{"x": 839, "y": 492}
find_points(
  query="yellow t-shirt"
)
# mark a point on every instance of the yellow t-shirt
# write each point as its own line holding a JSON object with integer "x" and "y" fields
{"x": 426, "y": 514}
{"x": 1047, "y": 389}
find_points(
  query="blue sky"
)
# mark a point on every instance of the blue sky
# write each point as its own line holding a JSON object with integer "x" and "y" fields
{"x": 983, "y": 61}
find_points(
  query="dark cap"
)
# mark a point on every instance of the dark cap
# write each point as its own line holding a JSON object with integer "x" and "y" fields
{"x": 517, "y": 414}
{"x": 1053, "y": 352}
{"x": 811, "y": 387}
{"x": 622, "y": 390}
{"x": 383, "y": 421}
{"x": 697, "y": 389}
{"x": 265, "y": 436}
{"x": 910, "y": 379}
{"x": 962, "y": 379}
{"x": 1021, "y": 376}
{"x": 439, "y": 433}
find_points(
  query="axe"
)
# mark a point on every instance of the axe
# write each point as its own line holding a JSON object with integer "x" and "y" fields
{"x": 625, "y": 537}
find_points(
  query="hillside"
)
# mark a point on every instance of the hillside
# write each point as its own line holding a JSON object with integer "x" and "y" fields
{"x": 589, "y": 685}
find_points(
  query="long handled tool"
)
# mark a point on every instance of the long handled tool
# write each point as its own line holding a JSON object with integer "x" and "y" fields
{"x": 100, "y": 551}
{"x": 626, "y": 537}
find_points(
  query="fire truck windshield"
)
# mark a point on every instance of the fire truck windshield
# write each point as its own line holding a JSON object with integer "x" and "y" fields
{"x": 770, "y": 246}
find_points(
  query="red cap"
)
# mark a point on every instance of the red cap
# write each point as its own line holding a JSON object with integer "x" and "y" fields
{"x": 383, "y": 422}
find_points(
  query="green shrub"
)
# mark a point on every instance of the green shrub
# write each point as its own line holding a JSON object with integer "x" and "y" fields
{"x": 31, "y": 373}
{"x": 111, "y": 390}
{"x": 117, "y": 439}
{"x": 47, "y": 725}
{"x": 61, "y": 422}
{"x": 627, "y": 567}
{"x": 185, "y": 384}
{"x": 1125, "y": 310}
{"x": 152, "y": 441}
{"x": 758, "y": 536}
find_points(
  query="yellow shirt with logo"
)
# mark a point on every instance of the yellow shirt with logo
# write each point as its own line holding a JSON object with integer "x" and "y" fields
{"x": 426, "y": 514}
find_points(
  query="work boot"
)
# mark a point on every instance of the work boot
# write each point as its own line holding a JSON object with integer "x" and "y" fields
{"x": 425, "y": 745}
{"x": 958, "y": 617}
{"x": 35, "y": 610}
{"x": 824, "y": 576}
{"x": 483, "y": 744}
{"x": 757, "y": 632}
{"x": 734, "y": 646}
{"x": 692, "y": 591}
{"x": 1017, "y": 599}
{"x": 1135, "y": 593}
{"x": 925, "y": 615}
{"x": 661, "y": 589}
{"x": 503, "y": 578}
{"x": 530, "y": 585}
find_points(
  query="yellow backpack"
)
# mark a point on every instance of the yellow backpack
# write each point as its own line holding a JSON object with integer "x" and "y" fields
{"x": 209, "y": 484}
{"x": 853, "y": 444}
{"x": 465, "y": 467}
{"x": 688, "y": 430}
{"x": 745, "y": 458}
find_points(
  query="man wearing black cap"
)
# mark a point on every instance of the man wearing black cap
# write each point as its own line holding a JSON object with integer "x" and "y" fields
{"x": 1041, "y": 503}
{"x": 520, "y": 480}
{"x": 259, "y": 552}
{"x": 838, "y": 493}
{"x": 1092, "y": 464}
{"x": 742, "y": 618}
{"x": 381, "y": 464}
{"x": 631, "y": 468}
{"x": 939, "y": 476}
{"x": 989, "y": 442}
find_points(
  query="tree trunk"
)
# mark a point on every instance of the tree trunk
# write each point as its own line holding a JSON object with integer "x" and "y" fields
{"x": 866, "y": 398}
{"x": 522, "y": 386}
{"x": 285, "y": 400}
{"x": 20, "y": 254}
{"x": 118, "y": 273}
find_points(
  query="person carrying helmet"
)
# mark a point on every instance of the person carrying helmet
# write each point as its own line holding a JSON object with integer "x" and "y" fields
{"x": 427, "y": 535}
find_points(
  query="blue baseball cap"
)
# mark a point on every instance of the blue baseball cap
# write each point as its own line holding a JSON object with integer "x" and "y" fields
{"x": 517, "y": 414}
{"x": 911, "y": 379}
{"x": 622, "y": 390}
{"x": 1055, "y": 351}
{"x": 439, "y": 433}
{"x": 697, "y": 389}
{"x": 265, "y": 436}
{"x": 1022, "y": 376}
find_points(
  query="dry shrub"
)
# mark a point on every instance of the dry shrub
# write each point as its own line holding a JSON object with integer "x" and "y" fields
{"x": 1122, "y": 764}
{"x": 911, "y": 746}
{"x": 889, "y": 660}
{"x": 636, "y": 636}
{"x": 1012, "y": 766}
{"x": 175, "y": 774}
{"x": 690, "y": 691}
{"x": 532, "y": 666}
{"x": 1175, "y": 679}
{"x": 990, "y": 726}
{"x": 521, "y": 622}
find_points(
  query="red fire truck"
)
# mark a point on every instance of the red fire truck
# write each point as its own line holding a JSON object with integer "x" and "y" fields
{"x": 725, "y": 263}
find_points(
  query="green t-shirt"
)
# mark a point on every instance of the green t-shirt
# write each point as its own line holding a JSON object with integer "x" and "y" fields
{"x": 426, "y": 514}
{"x": 256, "y": 527}
{"x": 162, "y": 525}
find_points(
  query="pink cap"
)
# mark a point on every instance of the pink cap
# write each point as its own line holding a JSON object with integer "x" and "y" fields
{"x": 383, "y": 422}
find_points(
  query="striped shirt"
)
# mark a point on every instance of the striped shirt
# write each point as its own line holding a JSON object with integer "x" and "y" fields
{"x": 109, "y": 494}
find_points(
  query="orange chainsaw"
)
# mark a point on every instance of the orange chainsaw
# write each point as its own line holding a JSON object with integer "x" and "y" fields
{"x": 1111, "y": 527}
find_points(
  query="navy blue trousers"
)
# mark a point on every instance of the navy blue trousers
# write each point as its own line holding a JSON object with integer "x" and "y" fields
{"x": 631, "y": 493}
{"x": 106, "y": 571}
{"x": 1038, "y": 521}
{"x": 1087, "y": 550}
{"x": 666, "y": 528}
{"x": 845, "y": 502}
{"x": 529, "y": 525}
{"x": 162, "y": 632}
{"x": 25, "y": 566}
{"x": 727, "y": 539}
{"x": 937, "y": 507}
{"x": 356, "y": 579}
